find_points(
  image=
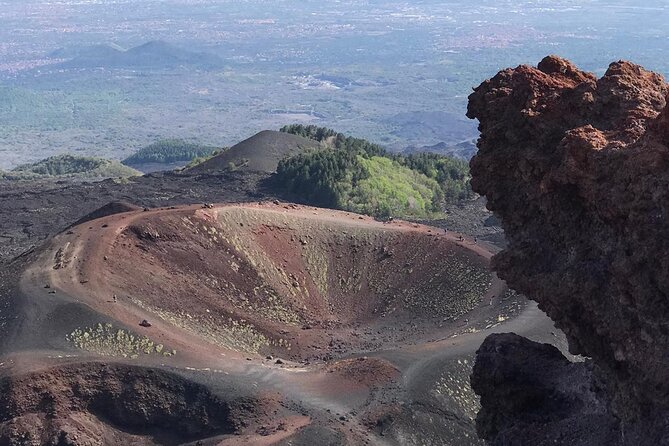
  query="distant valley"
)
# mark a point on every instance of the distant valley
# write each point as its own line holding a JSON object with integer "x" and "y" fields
{"x": 396, "y": 73}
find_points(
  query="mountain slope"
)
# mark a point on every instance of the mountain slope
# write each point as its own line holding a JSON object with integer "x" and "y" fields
{"x": 261, "y": 152}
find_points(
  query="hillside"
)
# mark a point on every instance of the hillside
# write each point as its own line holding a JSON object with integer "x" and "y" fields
{"x": 374, "y": 186}
{"x": 393, "y": 189}
{"x": 71, "y": 166}
{"x": 334, "y": 140}
{"x": 153, "y": 54}
{"x": 261, "y": 152}
{"x": 357, "y": 175}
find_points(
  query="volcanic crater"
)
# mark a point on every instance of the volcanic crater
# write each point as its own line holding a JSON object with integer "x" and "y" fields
{"x": 301, "y": 283}
{"x": 312, "y": 311}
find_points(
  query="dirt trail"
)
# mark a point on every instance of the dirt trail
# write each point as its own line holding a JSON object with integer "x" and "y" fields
{"x": 78, "y": 269}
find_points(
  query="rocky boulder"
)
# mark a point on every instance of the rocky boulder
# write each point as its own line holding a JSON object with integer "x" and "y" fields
{"x": 577, "y": 168}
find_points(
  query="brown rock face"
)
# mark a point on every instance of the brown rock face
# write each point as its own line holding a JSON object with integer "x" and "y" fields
{"x": 578, "y": 170}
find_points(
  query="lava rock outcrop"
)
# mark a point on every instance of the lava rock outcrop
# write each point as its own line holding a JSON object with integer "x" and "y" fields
{"x": 532, "y": 394}
{"x": 578, "y": 170}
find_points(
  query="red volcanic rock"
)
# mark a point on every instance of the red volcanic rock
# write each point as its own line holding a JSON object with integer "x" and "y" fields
{"x": 578, "y": 170}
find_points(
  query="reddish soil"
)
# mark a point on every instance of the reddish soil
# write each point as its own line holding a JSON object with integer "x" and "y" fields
{"x": 276, "y": 301}
{"x": 98, "y": 403}
{"x": 365, "y": 371}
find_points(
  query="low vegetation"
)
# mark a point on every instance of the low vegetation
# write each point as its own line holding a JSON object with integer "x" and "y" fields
{"x": 392, "y": 189}
{"x": 238, "y": 335}
{"x": 357, "y": 175}
{"x": 169, "y": 151}
{"x": 71, "y": 166}
{"x": 105, "y": 340}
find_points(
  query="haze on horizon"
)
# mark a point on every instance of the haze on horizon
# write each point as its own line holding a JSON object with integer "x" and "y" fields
{"x": 396, "y": 72}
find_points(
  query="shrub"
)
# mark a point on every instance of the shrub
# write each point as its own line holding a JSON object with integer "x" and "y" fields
{"x": 360, "y": 176}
